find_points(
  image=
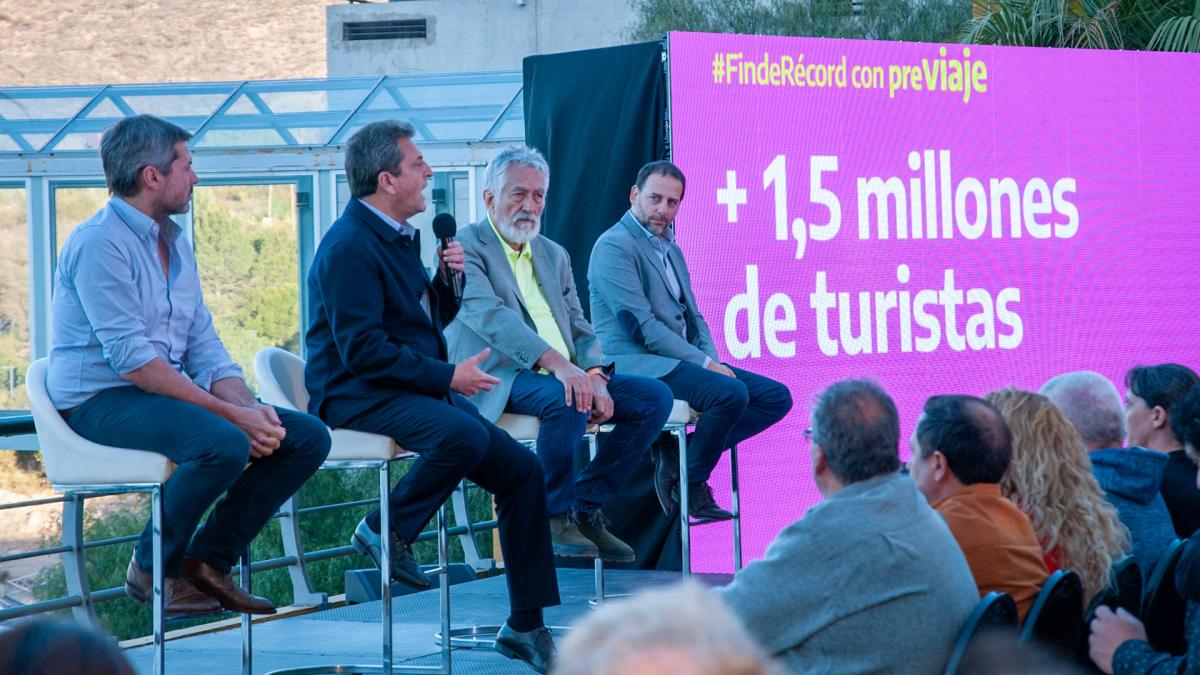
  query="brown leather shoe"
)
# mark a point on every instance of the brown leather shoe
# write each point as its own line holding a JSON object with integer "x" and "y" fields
{"x": 221, "y": 588}
{"x": 179, "y": 597}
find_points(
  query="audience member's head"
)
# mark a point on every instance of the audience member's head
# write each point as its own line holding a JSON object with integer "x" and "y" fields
{"x": 53, "y": 647}
{"x": 1050, "y": 479}
{"x": 1185, "y": 424}
{"x": 683, "y": 628}
{"x": 1091, "y": 402}
{"x": 855, "y": 435}
{"x": 959, "y": 441}
{"x": 1151, "y": 393}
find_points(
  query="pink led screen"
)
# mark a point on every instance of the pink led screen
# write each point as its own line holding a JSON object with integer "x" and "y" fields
{"x": 940, "y": 218}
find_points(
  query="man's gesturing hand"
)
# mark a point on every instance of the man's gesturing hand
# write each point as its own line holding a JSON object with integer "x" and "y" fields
{"x": 469, "y": 380}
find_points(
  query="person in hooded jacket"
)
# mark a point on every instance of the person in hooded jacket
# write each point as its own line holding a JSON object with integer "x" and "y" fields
{"x": 1118, "y": 643}
{"x": 1129, "y": 476}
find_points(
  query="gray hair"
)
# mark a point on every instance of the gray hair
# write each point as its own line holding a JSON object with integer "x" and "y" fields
{"x": 496, "y": 176}
{"x": 372, "y": 150}
{"x": 855, "y": 422}
{"x": 1091, "y": 402}
{"x": 685, "y": 624}
{"x": 135, "y": 143}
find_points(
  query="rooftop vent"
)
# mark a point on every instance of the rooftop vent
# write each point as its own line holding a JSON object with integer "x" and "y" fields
{"x": 400, "y": 29}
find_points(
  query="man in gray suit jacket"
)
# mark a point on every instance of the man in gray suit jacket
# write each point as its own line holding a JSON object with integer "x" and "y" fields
{"x": 646, "y": 316}
{"x": 520, "y": 302}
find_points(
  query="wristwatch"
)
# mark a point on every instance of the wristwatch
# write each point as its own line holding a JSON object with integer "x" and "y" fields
{"x": 604, "y": 372}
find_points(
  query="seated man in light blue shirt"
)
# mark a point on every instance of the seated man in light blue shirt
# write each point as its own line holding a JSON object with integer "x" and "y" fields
{"x": 135, "y": 363}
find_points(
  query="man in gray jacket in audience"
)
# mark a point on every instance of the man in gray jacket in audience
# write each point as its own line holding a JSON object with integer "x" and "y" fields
{"x": 870, "y": 580}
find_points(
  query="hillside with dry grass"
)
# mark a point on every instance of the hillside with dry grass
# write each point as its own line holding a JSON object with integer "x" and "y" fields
{"x": 120, "y": 41}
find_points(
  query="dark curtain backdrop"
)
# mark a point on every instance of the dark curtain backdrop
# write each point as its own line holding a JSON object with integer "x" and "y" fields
{"x": 598, "y": 116}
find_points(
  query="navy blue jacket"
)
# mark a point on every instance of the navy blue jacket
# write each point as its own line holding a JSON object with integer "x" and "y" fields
{"x": 368, "y": 337}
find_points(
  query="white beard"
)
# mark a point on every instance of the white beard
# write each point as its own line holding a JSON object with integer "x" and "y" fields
{"x": 518, "y": 234}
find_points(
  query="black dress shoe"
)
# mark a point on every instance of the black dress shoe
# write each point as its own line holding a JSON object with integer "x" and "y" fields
{"x": 220, "y": 587}
{"x": 666, "y": 477}
{"x": 702, "y": 507}
{"x": 536, "y": 647}
{"x": 404, "y": 565}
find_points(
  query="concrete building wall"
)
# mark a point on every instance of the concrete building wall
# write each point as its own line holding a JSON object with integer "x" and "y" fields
{"x": 473, "y": 35}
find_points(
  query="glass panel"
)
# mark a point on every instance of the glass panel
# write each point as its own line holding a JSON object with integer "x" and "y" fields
{"x": 72, "y": 206}
{"x": 14, "y": 298}
{"x": 247, "y": 251}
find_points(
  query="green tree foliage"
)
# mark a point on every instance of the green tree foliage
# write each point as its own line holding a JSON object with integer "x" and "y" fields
{"x": 14, "y": 299}
{"x": 916, "y": 21}
{"x": 1161, "y": 25}
{"x": 246, "y": 249}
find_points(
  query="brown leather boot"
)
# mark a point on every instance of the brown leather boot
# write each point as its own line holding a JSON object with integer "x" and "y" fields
{"x": 221, "y": 588}
{"x": 179, "y": 597}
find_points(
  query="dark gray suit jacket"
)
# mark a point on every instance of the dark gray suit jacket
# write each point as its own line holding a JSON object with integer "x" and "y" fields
{"x": 493, "y": 313}
{"x": 640, "y": 323}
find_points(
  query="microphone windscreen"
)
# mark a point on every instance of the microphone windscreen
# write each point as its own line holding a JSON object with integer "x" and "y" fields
{"x": 444, "y": 226}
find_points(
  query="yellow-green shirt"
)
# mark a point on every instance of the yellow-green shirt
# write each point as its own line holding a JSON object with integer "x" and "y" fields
{"x": 521, "y": 263}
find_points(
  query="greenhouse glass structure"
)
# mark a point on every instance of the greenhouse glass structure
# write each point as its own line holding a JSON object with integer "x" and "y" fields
{"x": 269, "y": 156}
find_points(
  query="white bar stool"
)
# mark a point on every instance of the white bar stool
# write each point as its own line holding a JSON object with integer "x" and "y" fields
{"x": 682, "y": 416}
{"x": 281, "y": 383}
{"x": 79, "y": 468}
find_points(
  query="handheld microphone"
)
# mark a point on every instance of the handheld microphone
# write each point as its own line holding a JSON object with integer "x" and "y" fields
{"x": 444, "y": 228}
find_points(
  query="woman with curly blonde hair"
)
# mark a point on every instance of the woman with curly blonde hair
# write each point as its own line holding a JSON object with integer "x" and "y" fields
{"x": 1050, "y": 479}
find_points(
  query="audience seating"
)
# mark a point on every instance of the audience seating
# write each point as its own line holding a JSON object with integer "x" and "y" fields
{"x": 78, "y": 469}
{"x": 1056, "y": 618}
{"x": 281, "y": 383}
{"x": 1163, "y": 608}
{"x": 1124, "y": 590}
{"x": 994, "y": 611}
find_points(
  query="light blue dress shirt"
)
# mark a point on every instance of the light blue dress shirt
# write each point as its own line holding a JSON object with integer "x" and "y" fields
{"x": 114, "y": 312}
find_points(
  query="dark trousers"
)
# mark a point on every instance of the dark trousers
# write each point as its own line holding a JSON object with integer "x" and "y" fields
{"x": 731, "y": 410}
{"x": 641, "y": 406}
{"x": 454, "y": 442}
{"x": 210, "y": 454}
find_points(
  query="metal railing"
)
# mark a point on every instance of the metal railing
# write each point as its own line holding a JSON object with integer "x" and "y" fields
{"x": 80, "y": 599}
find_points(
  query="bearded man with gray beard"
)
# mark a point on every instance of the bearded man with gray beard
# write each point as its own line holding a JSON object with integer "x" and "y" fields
{"x": 520, "y": 302}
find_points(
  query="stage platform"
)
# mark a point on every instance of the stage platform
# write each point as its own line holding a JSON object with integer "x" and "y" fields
{"x": 351, "y": 634}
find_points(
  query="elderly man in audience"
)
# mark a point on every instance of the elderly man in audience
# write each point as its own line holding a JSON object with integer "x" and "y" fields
{"x": 1130, "y": 476}
{"x": 667, "y": 631}
{"x": 960, "y": 451}
{"x": 870, "y": 580}
{"x": 1151, "y": 391}
{"x": 1118, "y": 643}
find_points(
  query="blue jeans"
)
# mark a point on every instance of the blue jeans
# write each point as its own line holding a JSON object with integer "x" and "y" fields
{"x": 731, "y": 410}
{"x": 209, "y": 453}
{"x": 455, "y": 442}
{"x": 641, "y": 406}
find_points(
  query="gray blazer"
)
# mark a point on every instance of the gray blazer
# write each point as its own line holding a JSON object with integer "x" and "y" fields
{"x": 493, "y": 314}
{"x": 640, "y": 323}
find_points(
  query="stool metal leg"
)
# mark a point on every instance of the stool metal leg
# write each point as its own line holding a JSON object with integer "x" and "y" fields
{"x": 737, "y": 510}
{"x": 247, "y": 624}
{"x": 444, "y": 585}
{"x": 385, "y": 564}
{"x": 599, "y": 563}
{"x": 156, "y": 518}
{"x": 685, "y": 523}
